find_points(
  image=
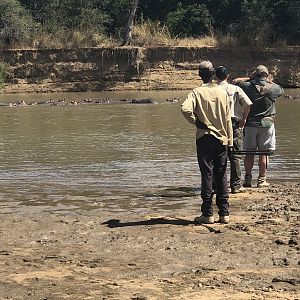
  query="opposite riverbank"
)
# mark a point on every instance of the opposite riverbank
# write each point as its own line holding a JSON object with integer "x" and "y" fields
{"x": 105, "y": 255}
{"x": 137, "y": 68}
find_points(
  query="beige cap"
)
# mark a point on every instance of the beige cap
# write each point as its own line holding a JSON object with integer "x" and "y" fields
{"x": 261, "y": 70}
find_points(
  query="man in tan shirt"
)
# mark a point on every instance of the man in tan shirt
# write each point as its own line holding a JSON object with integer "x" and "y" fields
{"x": 207, "y": 107}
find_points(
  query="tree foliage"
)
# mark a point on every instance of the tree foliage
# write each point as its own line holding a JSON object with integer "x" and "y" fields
{"x": 16, "y": 24}
{"x": 4, "y": 71}
{"x": 190, "y": 21}
{"x": 257, "y": 21}
{"x": 251, "y": 21}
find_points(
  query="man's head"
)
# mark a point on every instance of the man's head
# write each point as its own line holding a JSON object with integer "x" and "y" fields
{"x": 221, "y": 73}
{"x": 261, "y": 71}
{"x": 206, "y": 70}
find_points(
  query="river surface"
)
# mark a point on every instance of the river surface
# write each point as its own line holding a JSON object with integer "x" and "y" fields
{"x": 115, "y": 157}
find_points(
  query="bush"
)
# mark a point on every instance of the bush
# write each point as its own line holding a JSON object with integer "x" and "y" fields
{"x": 286, "y": 24}
{"x": 190, "y": 21}
{"x": 256, "y": 23}
{"x": 16, "y": 24}
{"x": 4, "y": 71}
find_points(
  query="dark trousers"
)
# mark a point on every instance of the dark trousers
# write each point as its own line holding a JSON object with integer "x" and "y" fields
{"x": 235, "y": 159}
{"x": 212, "y": 160}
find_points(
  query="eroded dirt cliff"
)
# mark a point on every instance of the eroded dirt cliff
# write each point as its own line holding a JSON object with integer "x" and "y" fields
{"x": 94, "y": 69}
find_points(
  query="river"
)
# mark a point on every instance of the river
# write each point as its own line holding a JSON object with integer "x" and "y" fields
{"x": 116, "y": 157}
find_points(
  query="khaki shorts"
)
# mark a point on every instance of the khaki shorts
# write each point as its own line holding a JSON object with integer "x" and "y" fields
{"x": 261, "y": 138}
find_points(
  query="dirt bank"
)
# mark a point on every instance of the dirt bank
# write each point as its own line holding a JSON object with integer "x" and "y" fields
{"x": 103, "y": 255}
{"x": 137, "y": 68}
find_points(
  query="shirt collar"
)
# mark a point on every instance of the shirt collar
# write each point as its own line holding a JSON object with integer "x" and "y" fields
{"x": 224, "y": 82}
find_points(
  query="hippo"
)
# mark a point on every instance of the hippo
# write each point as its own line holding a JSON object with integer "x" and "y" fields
{"x": 143, "y": 101}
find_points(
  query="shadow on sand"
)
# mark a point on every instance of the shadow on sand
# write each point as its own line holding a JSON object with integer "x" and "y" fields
{"x": 114, "y": 223}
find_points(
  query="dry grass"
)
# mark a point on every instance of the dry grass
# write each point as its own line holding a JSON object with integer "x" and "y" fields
{"x": 205, "y": 41}
{"x": 72, "y": 39}
{"x": 150, "y": 34}
{"x": 147, "y": 34}
{"x": 226, "y": 41}
{"x": 154, "y": 34}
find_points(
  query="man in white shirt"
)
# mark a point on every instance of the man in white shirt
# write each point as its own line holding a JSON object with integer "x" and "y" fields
{"x": 239, "y": 108}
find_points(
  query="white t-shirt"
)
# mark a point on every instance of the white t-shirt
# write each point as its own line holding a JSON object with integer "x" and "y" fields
{"x": 238, "y": 99}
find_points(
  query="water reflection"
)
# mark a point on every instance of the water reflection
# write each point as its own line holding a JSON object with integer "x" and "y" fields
{"x": 114, "y": 157}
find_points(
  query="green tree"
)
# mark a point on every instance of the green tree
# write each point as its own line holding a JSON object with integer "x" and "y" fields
{"x": 253, "y": 22}
{"x": 190, "y": 21}
{"x": 286, "y": 24}
{"x": 256, "y": 23}
{"x": 16, "y": 24}
{"x": 226, "y": 14}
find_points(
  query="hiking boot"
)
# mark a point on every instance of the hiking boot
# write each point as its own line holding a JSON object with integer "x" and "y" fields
{"x": 204, "y": 220}
{"x": 261, "y": 182}
{"x": 237, "y": 189}
{"x": 248, "y": 181}
{"x": 224, "y": 219}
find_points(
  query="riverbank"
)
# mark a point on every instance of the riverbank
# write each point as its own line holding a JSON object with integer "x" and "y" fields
{"x": 137, "y": 68}
{"x": 98, "y": 254}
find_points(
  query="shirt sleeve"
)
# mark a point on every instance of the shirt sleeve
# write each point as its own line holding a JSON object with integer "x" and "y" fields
{"x": 276, "y": 91}
{"x": 243, "y": 98}
{"x": 188, "y": 107}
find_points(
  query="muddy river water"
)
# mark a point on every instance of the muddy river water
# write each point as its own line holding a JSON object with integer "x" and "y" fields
{"x": 113, "y": 156}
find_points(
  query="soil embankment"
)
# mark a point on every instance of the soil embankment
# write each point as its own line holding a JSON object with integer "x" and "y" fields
{"x": 137, "y": 68}
{"x": 104, "y": 255}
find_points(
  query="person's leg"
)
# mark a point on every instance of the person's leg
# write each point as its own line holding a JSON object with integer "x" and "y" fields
{"x": 262, "y": 165}
{"x": 235, "y": 166}
{"x": 248, "y": 162}
{"x": 220, "y": 164}
{"x": 250, "y": 143}
{"x": 266, "y": 141}
{"x": 205, "y": 150}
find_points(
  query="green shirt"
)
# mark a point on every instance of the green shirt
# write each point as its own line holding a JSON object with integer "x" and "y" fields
{"x": 263, "y": 95}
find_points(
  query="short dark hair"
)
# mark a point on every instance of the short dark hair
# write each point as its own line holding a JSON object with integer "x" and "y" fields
{"x": 221, "y": 73}
{"x": 206, "y": 70}
{"x": 206, "y": 75}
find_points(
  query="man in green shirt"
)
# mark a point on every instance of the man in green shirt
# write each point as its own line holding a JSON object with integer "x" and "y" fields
{"x": 207, "y": 107}
{"x": 259, "y": 131}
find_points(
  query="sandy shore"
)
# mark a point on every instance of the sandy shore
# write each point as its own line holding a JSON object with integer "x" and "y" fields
{"x": 101, "y": 255}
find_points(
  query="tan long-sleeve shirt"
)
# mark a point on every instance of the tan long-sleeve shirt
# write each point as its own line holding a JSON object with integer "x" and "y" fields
{"x": 210, "y": 105}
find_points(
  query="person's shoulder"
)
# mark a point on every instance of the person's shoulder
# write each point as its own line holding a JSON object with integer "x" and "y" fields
{"x": 205, "y": 87}
{"x": 239, "y": 89}
{"x": 220, "y": 88}
{"x": 233, "y": 87}
{"x": 276, "y": 85}
{"x": 276, "y": 88}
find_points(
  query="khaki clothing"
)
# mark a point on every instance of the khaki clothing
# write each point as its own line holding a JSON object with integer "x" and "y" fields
{"x": 210, "y": 105}
{"x": 238, "y": 102}
{"x": 238, "y": 99}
